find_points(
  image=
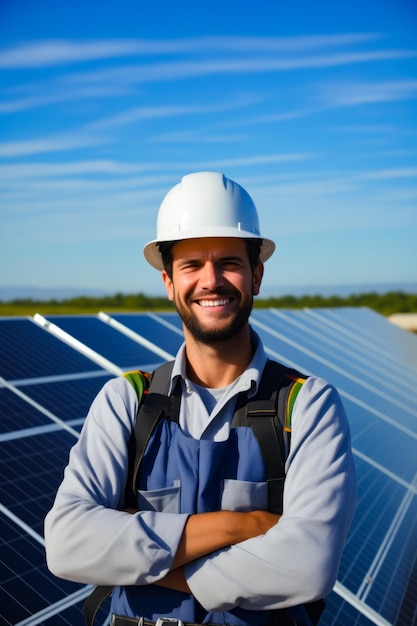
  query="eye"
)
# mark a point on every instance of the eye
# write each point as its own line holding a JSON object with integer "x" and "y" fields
{"x": 189, "y": 265}
{"x": 232, "y": 264}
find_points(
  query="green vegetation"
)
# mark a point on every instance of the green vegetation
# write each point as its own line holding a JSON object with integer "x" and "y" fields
{"x": 386, "y": 304}
{"x": 85, "y": 304}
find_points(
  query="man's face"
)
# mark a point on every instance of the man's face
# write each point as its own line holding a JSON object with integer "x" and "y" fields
{"x": 212, "y": 286}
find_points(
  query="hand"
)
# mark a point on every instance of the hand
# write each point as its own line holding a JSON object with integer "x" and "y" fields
{"x": 175, "y": 579}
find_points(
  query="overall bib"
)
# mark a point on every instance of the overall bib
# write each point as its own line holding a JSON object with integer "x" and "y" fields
{"x": 180, "y": 474}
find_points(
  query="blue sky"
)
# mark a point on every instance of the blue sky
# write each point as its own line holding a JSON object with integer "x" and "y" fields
{"x": 312, "y": 106}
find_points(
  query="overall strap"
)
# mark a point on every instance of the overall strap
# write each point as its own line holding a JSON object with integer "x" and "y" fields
{"x": 154, "y": 404}
{"x": 94, "y": 601}
{"x": 269, "y": 416}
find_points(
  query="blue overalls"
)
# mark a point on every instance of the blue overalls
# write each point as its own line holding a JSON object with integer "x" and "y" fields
{"x": 180, "y": 474}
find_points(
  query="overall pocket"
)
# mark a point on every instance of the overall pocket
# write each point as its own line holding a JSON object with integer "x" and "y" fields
{"x": 242, "y": 495}
{"x": 166, "y": 500}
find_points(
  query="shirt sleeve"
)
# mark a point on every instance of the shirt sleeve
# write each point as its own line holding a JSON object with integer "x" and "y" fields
{"x": 88, "y": 539}
{"x": 297, "y": 560}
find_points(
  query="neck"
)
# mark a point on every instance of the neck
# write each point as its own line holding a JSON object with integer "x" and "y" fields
{"x": 218, "y": 365}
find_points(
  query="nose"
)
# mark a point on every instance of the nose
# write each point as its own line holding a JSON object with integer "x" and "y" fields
{"x": 211, "y": 276}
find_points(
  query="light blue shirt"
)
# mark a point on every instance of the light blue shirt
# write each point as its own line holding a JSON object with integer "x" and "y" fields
{"x": 90, "y": 540}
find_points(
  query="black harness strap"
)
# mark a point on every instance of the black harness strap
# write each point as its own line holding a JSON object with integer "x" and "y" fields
{"x": 94, "y": 602}
{"x": 153, "y": 406}
{"x": 264, "y": 429}
{"x": 265, "y": 414}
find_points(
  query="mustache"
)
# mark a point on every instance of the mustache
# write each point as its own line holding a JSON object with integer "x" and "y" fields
{"x": 221, "y": 292}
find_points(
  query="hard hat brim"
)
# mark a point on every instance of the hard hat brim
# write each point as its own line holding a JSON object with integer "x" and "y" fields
{"x": 154, "y": 257}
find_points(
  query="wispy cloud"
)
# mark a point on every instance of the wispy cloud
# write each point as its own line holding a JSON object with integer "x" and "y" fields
{"x": 157, "y": 112}
{"x": 93, "y": 167}
{"x": 88, "y": 135}
{"x": 51, "y": 53}
{"x": 119, "y": 81}
{"x": 197, "y": 137}
{"x": 354, "y": 94}
{"x": 118, "y": 168}
{"x": 55, "y": 94}
{"x": 57, "y": 143}
{"x": 58, "y": 52}
{"x": 261, "y": 160}
{"x": 366, "y": 129}
{"x": 393, "y": 173}
{"x": 268, "y": 118}
{"x": 171, "y": 71}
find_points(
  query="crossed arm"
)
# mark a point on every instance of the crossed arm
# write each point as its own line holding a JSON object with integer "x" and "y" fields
{"x": 207, "y": 532}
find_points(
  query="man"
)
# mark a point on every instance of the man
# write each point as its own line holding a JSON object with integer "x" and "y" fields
{"x": 203, "y": 548}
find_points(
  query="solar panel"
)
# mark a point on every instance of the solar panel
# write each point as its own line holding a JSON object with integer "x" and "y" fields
{"x": 28, "y": 352}
{"x": 102, "y": 338}
{"x": 17, "y": 414}
{"x": 29, "y": 481}
{"x": 365, "y": 324}
{"x": 50, "y": 370}
{"x": 68, "y": 399}
{"x": 149, "y": 326}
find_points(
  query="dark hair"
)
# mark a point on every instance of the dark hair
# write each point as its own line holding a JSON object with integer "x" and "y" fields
{"x": 253, "y": 247}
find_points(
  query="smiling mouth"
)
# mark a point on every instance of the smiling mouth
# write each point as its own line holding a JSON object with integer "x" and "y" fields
{"x": 213, "y": 303}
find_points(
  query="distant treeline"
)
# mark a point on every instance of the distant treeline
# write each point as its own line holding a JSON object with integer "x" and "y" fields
{"x": 386, "y": 304}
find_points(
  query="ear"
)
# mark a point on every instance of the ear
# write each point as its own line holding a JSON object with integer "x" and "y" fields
{"x": 169, "y": 285}
{"x": 257, "y": 275}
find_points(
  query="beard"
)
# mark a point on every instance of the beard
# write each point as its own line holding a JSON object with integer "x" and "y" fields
{"x": 210, "y": 336}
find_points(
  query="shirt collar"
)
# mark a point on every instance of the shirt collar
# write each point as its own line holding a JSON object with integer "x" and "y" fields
{"x": 248, "y": 380}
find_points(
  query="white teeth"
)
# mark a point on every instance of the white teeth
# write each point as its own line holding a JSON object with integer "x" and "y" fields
{"x": 219, "y": 302}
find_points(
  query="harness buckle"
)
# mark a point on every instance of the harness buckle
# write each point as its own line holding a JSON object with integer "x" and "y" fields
{"x": 169, "y": 621}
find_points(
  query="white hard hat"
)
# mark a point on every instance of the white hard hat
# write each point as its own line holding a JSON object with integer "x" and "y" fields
{"x": 206, "y": 204}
